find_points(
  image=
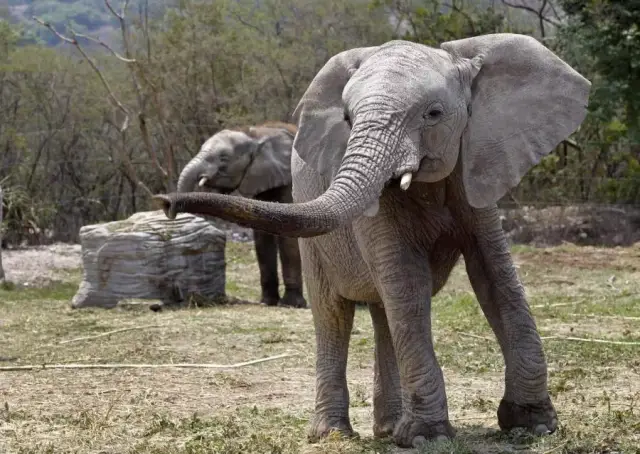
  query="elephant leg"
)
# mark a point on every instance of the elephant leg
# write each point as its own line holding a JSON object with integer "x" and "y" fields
{"x": 266, "y": 247}
{"x": 291, "y": 272}
{"x": 333, "y": 321}
{"x": 387, "y": 400}
{"x": 403, "y": 279}
{"x": 526, "y": 402}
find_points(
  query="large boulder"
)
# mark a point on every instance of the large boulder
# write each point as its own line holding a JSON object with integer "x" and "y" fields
{"x": 148, "y": 256}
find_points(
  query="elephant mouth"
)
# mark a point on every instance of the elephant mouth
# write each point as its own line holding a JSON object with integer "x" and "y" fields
{"x": 205, "y": 183}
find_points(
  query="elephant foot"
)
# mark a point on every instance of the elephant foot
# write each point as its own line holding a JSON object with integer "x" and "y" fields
{"x": 322, "y": 426}
{"x": 293, "y": 299}
{"x": 269, "y": 300}
{"x": 539, "y": 418}
{"x": 411, "y": 432}
{"x": 384, "y": 428}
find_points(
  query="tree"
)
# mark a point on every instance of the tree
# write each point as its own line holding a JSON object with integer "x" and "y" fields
{"x": 602, "y": 40}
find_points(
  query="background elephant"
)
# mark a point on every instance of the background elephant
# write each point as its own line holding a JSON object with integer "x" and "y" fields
{"x": 402, "y": 153}
{"x": 254, "y": 162}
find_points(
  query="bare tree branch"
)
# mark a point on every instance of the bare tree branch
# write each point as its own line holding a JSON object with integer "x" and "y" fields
{"x": 130, "y": 170}
{"x": 106, "y": 46}
{"x": 167, "y": 175}
{"x": 539, "y": 13}
{"x": 93, "y": 66}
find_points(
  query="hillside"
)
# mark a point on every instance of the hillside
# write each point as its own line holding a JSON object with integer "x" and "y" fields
{"x": 94, "y": 18}
{"x": 86, "y": 16}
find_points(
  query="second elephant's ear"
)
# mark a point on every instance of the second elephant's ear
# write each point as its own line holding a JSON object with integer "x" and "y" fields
{"x": 525, "y": 100}
{"x": 323, "y": 130}
{"x": 270, "y": 165}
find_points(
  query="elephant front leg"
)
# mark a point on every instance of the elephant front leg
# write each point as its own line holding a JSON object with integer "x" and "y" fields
{"x": 404, "y": 283}
{"x": 425, "y": 414}
{"x": 333, "y": 321}
{"x": 291, "y": 272}
{"x": 266, "y": 248}
{"x": 387, "y": 400}
{"x": 526, "y": 402}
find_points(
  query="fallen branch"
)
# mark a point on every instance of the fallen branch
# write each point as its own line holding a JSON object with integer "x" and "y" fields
{"x": 108, "y": 333}
{"x": 577, "y": 339}
{"x": 619, "y": 317}
{"x": 143, "y": 366}
{"x": 572, "y": 303}
{"x": 475, "y": 336}
{"x": 586, "y": 339}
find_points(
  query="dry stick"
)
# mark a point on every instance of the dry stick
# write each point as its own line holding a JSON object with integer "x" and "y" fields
{"x": 144, "y": 366}
{"x": 578, "y": 339}
{"x": 475, "y": 336}
{"x": 584, "y": 339}
{"x": 620, "y": 317}
{"x": 108, "y": 333}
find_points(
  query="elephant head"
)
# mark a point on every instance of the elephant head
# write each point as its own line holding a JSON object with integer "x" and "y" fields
{"x": 246, "y": 161}
{"x": 403, "y": 111}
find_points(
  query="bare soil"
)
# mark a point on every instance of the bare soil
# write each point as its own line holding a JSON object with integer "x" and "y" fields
{"x": 41, "y": 265}
{"x": 582, "y": 292}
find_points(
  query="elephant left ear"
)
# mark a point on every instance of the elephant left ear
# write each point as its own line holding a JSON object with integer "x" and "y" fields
{"x": 525, "y": 100}
{"x": 270, "y": 165}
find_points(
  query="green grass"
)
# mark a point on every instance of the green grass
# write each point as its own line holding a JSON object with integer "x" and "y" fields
{"x": 265, "y": 408}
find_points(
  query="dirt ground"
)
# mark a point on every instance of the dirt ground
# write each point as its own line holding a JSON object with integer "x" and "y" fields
{"x": 586, "y": 301}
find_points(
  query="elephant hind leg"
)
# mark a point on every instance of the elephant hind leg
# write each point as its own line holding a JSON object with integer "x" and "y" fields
{"x": 387, "y": 398}
{"x": 333, "y": 321}
{"x": 266, "y": 248}
{"x": 291, "y": 272}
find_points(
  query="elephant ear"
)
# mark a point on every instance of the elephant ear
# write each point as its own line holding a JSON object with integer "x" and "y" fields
{"x": 323, "y": 129}
{"x": 524, "y": 101}
{"x": 270, "y": 165}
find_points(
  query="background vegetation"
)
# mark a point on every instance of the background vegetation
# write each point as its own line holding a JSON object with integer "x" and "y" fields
{"x": 80, "y": 147}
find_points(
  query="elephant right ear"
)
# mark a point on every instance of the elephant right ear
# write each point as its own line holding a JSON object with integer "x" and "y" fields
{"x": 323, "y": 129}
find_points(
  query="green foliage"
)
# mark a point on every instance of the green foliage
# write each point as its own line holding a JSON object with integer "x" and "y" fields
{"x": 602, "y": 41}
{"x": 203, "y": 65}
{"x": 434, "y": 21}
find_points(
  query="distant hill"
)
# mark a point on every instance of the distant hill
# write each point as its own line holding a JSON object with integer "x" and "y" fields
{"x": 85, "y": 16}
{"x": 93, "y": 17}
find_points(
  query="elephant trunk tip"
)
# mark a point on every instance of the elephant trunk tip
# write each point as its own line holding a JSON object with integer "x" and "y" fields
{"x": 166, "y": 204}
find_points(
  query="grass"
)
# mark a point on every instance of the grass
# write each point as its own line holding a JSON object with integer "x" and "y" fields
{"x": 580, "y": 292}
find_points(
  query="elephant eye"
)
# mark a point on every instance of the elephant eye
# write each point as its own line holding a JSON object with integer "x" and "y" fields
{"x": 434, "y": 113}
{"x": 347, "y": 119}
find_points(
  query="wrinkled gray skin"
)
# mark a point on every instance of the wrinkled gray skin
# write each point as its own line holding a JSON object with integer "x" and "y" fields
{"x": 256, "y": 164}
{"x": 467, "y": 120}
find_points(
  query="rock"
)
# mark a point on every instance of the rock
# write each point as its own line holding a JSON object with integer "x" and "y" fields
{"x": 148, "y": 256}
{"x": 1, "y": 268}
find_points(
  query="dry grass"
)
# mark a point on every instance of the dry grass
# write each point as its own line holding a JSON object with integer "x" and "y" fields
{"x": 580, "y": 292}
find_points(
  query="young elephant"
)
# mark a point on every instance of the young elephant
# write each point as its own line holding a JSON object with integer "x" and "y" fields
{"x": 254, "y": 162}
{"x": 402, "y": 153}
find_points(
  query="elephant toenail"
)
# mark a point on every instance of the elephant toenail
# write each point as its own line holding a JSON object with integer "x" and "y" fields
{"x": 418, "y": 441}
{"x": 541, "y": 429}
{"x": 440, "y": 438}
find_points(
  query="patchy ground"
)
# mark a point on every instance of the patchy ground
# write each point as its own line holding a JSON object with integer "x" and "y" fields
{"x": 581, "y": 293}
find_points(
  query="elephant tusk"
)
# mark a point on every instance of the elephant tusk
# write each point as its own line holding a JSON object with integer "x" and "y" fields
{"x": 405, "y": 181}
{"x": 202, "y": 181}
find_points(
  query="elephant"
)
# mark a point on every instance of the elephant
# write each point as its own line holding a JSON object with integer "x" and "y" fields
{"x": 402, "y": 154}
{"x": 254, "y": 162}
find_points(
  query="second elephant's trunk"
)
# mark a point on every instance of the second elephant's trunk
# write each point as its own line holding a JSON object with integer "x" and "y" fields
{"x": 368, "y": 164}
{"x": 188, "y": 179}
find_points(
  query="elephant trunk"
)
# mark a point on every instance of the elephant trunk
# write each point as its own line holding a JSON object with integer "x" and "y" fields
{"x": 369, "y": 162}
{"x": 188, "y": 179}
